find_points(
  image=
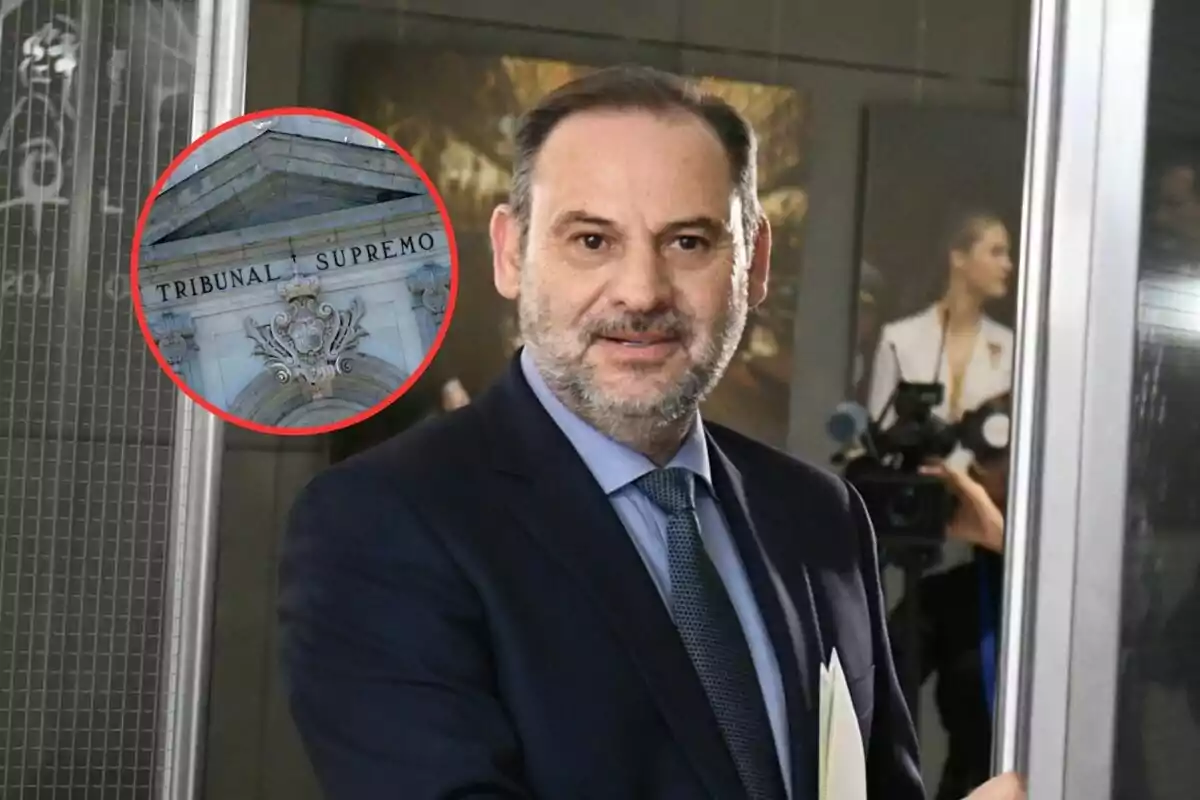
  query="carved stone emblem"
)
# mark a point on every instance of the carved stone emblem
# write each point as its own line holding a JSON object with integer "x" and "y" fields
{"x": 175, "y": 337}
{"x": 435, "y": 299}
{"x": 309, "y": 341}
{"x": 430, "y": 286}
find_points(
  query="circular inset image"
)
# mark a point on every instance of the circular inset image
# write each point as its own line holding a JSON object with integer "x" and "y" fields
{"x": 294, "y": 271}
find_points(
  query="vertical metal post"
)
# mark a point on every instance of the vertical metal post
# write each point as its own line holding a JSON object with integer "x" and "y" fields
{"x": 1057, "y": 711}
{"x": 219, "y": 95}
{"x": 1045, "y": 60}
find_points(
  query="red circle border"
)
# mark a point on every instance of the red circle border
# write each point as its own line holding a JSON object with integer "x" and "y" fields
{"x": 439, "y": 339}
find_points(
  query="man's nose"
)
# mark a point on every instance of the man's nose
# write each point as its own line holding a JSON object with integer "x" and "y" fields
{"x": 642, "y": 280}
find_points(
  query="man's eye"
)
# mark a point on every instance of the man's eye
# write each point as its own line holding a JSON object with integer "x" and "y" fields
{"x": 590, "y": 241}
{"x": 691, "y": 243}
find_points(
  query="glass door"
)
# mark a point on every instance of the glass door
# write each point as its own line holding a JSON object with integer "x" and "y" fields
{"x": 1103, "y": 698}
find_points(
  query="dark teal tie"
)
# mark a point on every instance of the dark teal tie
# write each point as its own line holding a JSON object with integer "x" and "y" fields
{"x": 713, "y": 636}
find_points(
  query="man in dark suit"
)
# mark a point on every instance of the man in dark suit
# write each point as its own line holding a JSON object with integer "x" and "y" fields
{"x": 572, "y": 587}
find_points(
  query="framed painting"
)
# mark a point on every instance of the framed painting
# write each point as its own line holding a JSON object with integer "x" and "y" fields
{"x": 456, "y": 113}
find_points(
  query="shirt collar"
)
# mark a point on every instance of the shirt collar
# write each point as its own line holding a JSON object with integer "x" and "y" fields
{"x": 612, "y": 464}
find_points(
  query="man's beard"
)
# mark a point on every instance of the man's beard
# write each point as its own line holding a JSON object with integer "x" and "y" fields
{"x": 560, "y": 357}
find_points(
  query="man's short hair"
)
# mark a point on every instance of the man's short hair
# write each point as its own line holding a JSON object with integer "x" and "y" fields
{"x": 638, "y": 88}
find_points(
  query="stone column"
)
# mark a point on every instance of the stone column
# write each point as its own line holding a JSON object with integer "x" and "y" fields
{"x": 175, "y": 336}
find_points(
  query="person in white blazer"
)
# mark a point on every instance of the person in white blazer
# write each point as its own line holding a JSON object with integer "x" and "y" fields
{"x": 954, "y": 342}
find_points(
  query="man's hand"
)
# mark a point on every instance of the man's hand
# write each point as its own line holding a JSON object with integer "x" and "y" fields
{"x": 1008, "y": 786}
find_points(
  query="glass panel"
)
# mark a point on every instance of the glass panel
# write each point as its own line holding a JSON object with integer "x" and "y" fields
{"x": 877, "y": 120}
{"x": 1158, "y": 730}
{"x": 96, "y": 99}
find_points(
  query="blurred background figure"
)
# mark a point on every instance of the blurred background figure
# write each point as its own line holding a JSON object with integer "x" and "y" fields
{"x": 954, "y": 342}
{"x": 959, "y": 613}
{"x": 1175, "y": 208}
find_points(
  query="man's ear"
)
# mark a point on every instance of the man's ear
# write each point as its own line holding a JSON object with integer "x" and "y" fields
{"x": 760, "y": 263}
{"x": 505, "y": 232}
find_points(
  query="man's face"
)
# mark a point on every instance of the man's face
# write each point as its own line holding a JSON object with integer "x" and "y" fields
{"x": 635, "y": 279}
{"x": 1177, "y": 212}
{"x": 987, "y": 266}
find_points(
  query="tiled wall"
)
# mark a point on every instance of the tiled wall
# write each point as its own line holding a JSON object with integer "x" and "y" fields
{"x": 95, "y": 98}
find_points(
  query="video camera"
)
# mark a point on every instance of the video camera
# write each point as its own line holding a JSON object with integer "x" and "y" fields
{"x": 883, "y": 464}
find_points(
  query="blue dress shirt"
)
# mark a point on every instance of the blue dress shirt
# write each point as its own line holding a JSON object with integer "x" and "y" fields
{"x": 616, "y": 467}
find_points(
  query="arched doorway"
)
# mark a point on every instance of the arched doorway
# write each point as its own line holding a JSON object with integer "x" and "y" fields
{"x": 266, "y": 401}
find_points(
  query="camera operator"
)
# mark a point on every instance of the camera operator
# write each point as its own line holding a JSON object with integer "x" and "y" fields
{"x": 959, "y": 612}
{"x": 954, "y": 341}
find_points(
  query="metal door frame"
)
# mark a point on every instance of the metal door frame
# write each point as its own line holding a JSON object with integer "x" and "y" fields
{"x": 219, "y": 76}
{"x": 1083, "y": 205}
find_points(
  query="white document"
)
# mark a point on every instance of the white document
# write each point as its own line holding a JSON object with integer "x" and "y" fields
{"x": 842, "y": 760}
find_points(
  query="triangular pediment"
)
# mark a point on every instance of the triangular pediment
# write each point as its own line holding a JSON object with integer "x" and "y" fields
{"x": 278, "y": 177}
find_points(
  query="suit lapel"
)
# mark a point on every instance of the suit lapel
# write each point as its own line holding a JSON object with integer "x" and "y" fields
{"x": 557, "y": 500}
{"x": 783, "y": 591}
{"x": 823, "y": 560}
